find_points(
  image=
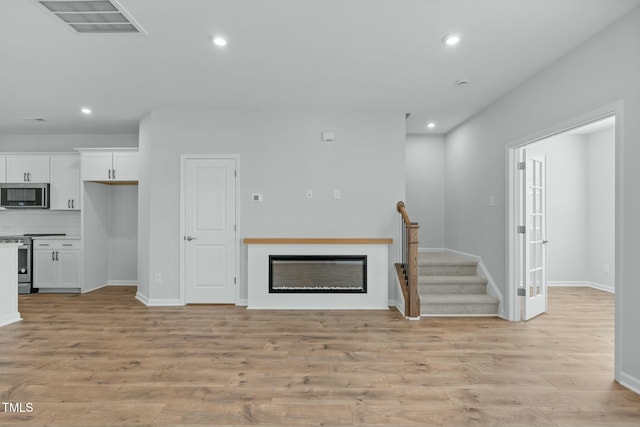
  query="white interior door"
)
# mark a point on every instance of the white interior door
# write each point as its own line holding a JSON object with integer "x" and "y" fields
{"x": 535, "y": 254}
{"x": 210, "y": 236}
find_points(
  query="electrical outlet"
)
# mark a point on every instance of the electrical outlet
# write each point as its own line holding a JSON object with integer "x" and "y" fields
{"x": 337, "y": 194}
{"x": 605, "y": 268}
{"x": 157, "y": 278}
{"x": 309, "y": 193}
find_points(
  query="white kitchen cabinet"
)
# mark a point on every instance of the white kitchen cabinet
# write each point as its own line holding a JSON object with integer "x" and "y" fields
{"x": 56, "y": 264}
{"x": 109, "y": 166}
{"x": 3, "y": 169}
{"x": 27, "y": 168}
{"x": 65, "y": 182}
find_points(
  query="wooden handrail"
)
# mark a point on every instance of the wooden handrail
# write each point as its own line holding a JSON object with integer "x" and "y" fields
{"x": 403, "y": 211}
{"x": 408, "y": 269}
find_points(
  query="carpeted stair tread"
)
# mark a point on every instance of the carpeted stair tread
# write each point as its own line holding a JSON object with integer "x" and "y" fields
{"x": 459, "y": 299}
{"x": 429, "y": 279}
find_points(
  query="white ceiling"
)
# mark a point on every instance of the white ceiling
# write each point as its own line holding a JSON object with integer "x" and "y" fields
{"x": 373, "y": 54}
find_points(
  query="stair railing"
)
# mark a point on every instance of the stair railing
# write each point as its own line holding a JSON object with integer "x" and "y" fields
{"x": 408, "y": 269}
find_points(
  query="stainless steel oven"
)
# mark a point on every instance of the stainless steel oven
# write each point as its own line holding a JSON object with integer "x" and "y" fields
{"x": 25, "y": 260}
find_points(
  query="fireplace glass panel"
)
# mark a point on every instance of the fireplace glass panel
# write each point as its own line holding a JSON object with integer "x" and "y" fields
{"x": 318, "y": 273}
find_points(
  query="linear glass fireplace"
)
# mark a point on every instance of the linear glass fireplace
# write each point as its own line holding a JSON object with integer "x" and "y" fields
{"x": 318, "y": 273}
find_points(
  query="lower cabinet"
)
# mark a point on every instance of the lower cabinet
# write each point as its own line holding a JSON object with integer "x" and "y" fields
{"x": 56, "y": 264}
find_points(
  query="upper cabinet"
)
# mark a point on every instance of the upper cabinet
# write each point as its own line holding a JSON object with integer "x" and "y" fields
{"x": 27, "y": 168}
{"x": 110, "y": 166}
{"x": 3, "y": 169}
{"x": 65, "y": 182}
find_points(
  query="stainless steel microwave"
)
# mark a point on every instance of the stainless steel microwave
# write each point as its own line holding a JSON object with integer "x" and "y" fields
{"x": 24, "y": 196}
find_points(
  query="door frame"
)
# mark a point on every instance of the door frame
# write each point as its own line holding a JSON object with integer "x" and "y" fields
{"x": 182, "y": 243}
{"x": 512, "y": 275}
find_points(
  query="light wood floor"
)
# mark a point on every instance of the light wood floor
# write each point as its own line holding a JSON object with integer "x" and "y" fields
{"x": 105, "y": 359}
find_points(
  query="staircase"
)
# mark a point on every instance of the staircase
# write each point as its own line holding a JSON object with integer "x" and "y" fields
{"x": 448, "y": 286}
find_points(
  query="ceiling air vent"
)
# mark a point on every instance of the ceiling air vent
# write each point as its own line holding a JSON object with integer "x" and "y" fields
{"x": 93, "y": 16}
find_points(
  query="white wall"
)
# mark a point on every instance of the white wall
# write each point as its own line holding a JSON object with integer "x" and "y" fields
{"x": 64, "y": 143}
{"x": 123, "y": 233}
{"x": 281, "y": 155}
{"x": 580, "y": 207}
{"x": 601, "y": 207}
{"x": 425, "y": 160}
{"x": 598, "y": 73}
{"x": 567, "y": 189}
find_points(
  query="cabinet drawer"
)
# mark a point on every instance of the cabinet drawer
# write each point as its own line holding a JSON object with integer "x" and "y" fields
{"x": 56, "y": 244}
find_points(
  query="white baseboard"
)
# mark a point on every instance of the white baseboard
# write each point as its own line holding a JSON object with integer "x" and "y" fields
{"x": 158, "y": 302}
{"x": 10, "y": 318}
{"x": 142, "y": 298}
{"x": 123, "y": 283}
{"x": 630, "y": 382}
{"x": 243, "y": 302}
{"x": 85, "y": 291}
{"x": 581, "y": 283}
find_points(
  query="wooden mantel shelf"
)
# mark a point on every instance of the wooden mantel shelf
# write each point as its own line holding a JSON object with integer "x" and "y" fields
{"x": 316, "y": 241}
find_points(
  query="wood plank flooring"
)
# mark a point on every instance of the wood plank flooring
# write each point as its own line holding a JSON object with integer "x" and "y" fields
{"x": 103, "y": 359}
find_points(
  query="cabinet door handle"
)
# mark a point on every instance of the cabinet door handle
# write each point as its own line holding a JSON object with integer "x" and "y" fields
{"x": 24, "y": 177}
{"x": 109, "y": 173}
{"x": 69, "y": 204}
{"x": 57, "y": 259}
{"x": 53, "y": 255}
{"x": 73, "y": 202}
{"x": 29, "y": 176}
{"x": 114, "y": 174}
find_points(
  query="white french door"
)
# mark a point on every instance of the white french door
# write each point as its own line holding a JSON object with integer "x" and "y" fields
{"x": 535, "y": 255}
{"x": 209, "y": 224}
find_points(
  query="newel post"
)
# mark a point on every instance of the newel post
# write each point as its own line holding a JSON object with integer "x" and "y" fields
{"x": 412, "y": 259}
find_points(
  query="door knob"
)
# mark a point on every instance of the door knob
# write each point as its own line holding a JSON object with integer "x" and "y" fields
{"x": 544, "y": 242}
{"x": 189, "y": 238}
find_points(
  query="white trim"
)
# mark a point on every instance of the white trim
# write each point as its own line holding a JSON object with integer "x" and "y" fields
{"x": 86, "y": 291}
{"x": 242, "y": 302}
{"x": 10, "y": 318}
{"x": 398, "y": 302}
{"x": 457, "y": 315}
{"x": 158, "y": 302}
{"x": 630, "y": 382}
{"x": 581, "y": 283}
{"x": 181, "y": 243}
{"x": 481, "y": 271}
{"x": 122, "y": 283}
{"x": 142, "y": 298}
{"x": 60, "y": 290}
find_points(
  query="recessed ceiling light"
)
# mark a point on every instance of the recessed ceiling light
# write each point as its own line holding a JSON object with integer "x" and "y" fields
{"x": 451, "y": 39}
{"x": 86, "y": 111}
{"x": 462, "y": 82}
{"x": 219, "y": 41}
{"x": 431, "y": 125}
{"x": 34, "y": 119}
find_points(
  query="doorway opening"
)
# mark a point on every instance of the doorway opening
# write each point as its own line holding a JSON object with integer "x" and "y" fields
{"x": 564, "y": 205}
